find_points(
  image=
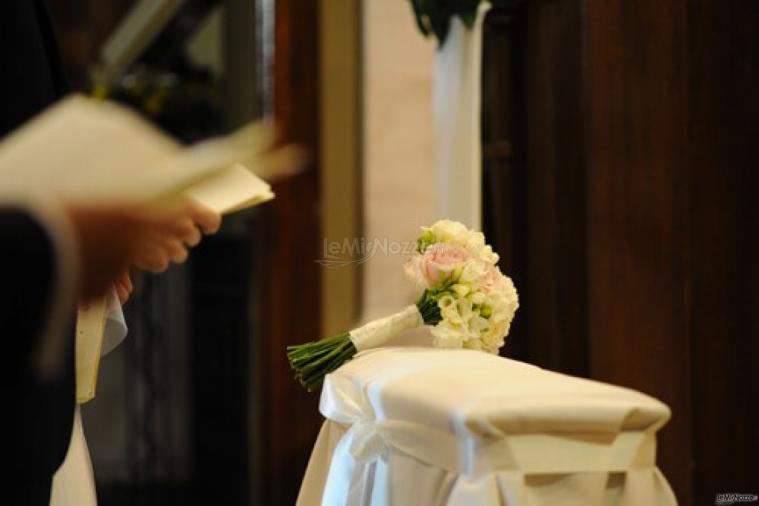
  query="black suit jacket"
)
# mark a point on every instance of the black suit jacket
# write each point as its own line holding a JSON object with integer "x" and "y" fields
{"x": 36, "y": 414}
{"x": 31, "y": 75}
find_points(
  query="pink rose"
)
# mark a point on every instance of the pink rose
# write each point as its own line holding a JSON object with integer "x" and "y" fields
{"x": 493, "y": 279}
{"x": 438, "y": 260}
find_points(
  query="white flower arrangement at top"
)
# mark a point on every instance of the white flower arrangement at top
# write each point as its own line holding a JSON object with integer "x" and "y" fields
{"x": 467, "y": 300}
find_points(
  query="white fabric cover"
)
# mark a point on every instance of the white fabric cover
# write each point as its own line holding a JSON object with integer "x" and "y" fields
{"x": 459, "y": 427}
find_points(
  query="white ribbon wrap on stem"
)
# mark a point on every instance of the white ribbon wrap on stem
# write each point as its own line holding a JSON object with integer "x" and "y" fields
{"x": 378, "y": 332}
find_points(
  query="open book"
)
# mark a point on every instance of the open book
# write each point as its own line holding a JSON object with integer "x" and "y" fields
{"x": 86, "y": 151}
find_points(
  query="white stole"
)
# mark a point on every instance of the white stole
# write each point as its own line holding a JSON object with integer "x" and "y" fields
{"x": 100, "y": 327}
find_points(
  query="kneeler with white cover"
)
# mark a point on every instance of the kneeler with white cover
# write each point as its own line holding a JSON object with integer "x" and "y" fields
{"x": 423, "y": 426}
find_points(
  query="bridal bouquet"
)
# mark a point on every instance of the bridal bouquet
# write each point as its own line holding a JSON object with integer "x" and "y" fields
{"x": 467, "y": 300}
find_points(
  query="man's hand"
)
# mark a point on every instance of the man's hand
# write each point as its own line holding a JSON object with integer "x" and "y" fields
{"x": 124, "y": 287}
{"x": 113, "y": 239}
{"x": 170, "y": 232}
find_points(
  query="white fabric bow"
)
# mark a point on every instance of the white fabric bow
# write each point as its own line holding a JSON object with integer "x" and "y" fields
{"x": 364, "y": 443}
{"x": 367, "y": 441}
{"x": 360, "y": 459}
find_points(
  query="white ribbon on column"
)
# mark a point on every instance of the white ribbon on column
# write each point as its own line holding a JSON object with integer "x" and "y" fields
{"x": 456, "y": 108}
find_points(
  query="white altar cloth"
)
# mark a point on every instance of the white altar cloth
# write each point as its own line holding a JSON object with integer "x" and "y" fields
{"x": 420, "y": 426}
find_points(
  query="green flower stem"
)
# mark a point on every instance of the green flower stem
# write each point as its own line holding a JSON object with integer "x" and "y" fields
{"x": 312, "y": 361}
{"x": 429, "y": 310}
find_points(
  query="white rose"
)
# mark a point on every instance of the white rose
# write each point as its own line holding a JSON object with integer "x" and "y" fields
{"x": 473, "y": 273}
{"x": 478, "y": 298}
{"x": 464, "y": 309}
{"x": 447, "y": 335}
{"x": 449, "y": 310}
{"x": 449, "y": 231}
{"x": 473, "y": 344}
{"x": 460, "y": 290}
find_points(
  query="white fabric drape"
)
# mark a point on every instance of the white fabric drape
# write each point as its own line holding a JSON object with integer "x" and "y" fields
{"x": 456, "y": 109}
{"x": 74, "y": 482}
{"x": 460, "y": 427}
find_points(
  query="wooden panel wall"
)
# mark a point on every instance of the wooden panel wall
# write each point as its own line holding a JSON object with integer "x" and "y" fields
{"x": 637, "y": 221}
{"x": 723, "y": 108}
{"x": 556, "y": 175}
{"x": 289, "y": 233}
{"x": 640, "y": 220}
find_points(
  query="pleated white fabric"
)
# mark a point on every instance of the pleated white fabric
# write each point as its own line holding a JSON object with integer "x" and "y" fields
{"x": 460, "y": 427}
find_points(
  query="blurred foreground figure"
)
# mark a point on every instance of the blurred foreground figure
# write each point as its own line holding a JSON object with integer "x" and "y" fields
{"x": 52, "y": 256}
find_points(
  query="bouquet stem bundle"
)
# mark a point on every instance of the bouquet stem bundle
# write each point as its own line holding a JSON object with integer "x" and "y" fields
{"x": 312, "y": 361}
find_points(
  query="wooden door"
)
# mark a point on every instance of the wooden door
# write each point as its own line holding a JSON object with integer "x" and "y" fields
{"x": 288, "y": 235}
{"x": 637, "y": 239}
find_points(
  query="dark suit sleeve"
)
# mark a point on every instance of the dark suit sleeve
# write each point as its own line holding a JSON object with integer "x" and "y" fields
{"x": 31, "y": 70}
{"x": 35, "y": 299}
{"x": 36, "y": 426}
{"x": 27, "y": 264}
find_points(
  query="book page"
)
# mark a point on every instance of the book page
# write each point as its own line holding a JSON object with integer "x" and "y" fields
{"x": 80, "y": 149}
{"x": 231, "y": 190}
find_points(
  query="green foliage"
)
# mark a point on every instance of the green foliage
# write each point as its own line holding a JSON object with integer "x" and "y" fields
{"x": 427, "y": 303}
{"x": 434, "y": 16}
{"x": 425, "y": 241}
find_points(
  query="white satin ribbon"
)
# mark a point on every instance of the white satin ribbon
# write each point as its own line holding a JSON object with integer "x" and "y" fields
{"x": 376, "y": 333}
{"x": 362, "y": 453}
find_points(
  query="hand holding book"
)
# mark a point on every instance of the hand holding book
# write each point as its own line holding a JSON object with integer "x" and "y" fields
{"x": 104, "y": 162}
{"x": 120, "y": 179}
